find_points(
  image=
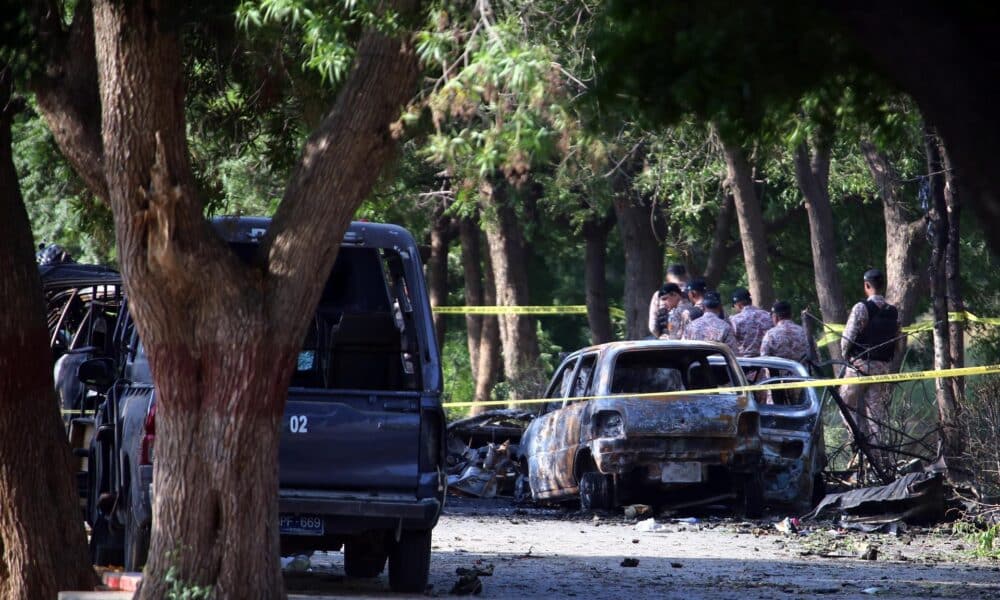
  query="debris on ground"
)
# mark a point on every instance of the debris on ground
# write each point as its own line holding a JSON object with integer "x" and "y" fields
{"x": 913, "y": 498}
{"x": 787, "y": 525}
{"x": 469, "y": 582}
{"x": 482, "y": 453}
{"x": 630, "y": 562}
{"x": 633, "y": 511}
{"x": 299, "y": 562}
{"x": 869, "y": 552}
{"x": 651, "y": 526}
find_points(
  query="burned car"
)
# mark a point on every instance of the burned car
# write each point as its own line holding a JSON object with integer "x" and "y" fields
{"x": 791, "y": 429}
{"x": 628, "y": 421}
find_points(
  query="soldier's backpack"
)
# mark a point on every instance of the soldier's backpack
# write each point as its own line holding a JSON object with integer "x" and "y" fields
{"x": 877, "y": 341}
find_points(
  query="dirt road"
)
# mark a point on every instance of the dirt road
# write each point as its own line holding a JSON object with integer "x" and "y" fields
{"x": 557, "y": 554}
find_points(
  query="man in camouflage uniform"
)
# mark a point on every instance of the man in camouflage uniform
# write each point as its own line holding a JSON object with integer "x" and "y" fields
{"x": 676, "y": 274}
{"x": 749, "y": 323}
{"x": 786, "y": 339}
{"x": 868, "y": 345}
{"x": 711, "y": 327}
{"x": 671, "y": 299}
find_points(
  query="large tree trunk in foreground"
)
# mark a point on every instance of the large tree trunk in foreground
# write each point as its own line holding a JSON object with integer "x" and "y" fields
{"x": 508, "y": 259}
{"x": 948, "y": 406}
{"x": 472, "y": 271}
{"x": 43, "y": 547}
{"x": 812, "y": 171}
{"x": 222, "y": 336}
{"x": 944, "y": 57}
{"x": 488, "y": 354}
{"x": 905, "y": 256}
{"x": 751, "y": 223}
{"x": 595, "y": 235}
{"x": 640, "y": 224}
{"x": 722, "y": 250}
{"x": 442, "y": 233}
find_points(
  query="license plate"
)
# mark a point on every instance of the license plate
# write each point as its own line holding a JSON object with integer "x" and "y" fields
{"x": 681, "y": 472}
{"x": 300, "y": 525}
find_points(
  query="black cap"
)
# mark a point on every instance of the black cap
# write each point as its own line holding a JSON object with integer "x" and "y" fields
{"x": 677, "y": 270}
{"x": 874, "y": 275}
{"x": 670, "y": 288}
{"x": 782, "y": 309}
{"x": 741, "y": 295}
{"x": 711, "y": 299}
{"x": 697, "y": 285}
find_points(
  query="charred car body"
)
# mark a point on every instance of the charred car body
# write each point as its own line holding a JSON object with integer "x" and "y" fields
{"x": 622, "y": 441}
{"x": 362, "y": 447}
{"x": 791, "y": 429}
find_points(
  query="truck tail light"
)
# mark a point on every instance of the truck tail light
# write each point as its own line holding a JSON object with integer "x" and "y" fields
{"x": 148, "y": 437}
{"x": 748, "y": 424}
{"x": 431, "y": 444}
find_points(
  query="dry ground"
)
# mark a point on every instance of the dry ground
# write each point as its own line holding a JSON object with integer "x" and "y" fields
{"x": 554, "y": 553}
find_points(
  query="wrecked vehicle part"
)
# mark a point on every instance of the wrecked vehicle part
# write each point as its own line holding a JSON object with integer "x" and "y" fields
{"x": 666, "y": 449}
{"x": 916, "y": 498}
{"x": 482, "y": 472}
{"x": 497, "y": 426}
{"x": 791, "y": 429}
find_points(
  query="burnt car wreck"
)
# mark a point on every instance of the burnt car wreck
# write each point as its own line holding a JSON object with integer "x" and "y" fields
{"x": 649, "y": 427}
{"x": 623, "y": 442}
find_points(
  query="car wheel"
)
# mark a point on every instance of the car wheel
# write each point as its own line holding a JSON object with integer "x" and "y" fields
{"x": 595, "y": 491}
{"x": 819, "y": 489}
{"x": 364, "y": 556}
{"x": 136, "y": 535}
{"x": 752, "y": 496}
{"x": 410, "y": 561}
{"x": 522, "y": 489}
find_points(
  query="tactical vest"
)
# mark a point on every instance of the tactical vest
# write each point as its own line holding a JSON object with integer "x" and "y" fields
{"x": 877, "y": 341}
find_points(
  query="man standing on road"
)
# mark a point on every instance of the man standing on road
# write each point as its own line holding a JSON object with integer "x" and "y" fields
{"x": 786, "y": 339}
{"x": 868, "y": 345}
{"x": 678, "y": 275}
{"x": 749, "y": 323}
{"x": 711, "y": 327}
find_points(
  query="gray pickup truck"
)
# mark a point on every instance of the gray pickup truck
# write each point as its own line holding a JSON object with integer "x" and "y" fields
{"x": 361, "y": 454}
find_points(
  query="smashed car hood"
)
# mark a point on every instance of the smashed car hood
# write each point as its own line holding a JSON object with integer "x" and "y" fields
{"x": 701, "y": 415}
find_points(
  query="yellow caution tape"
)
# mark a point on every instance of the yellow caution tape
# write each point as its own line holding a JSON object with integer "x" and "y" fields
{"x": 572, "y": 309}
{"x": 787, "y": 385}
{"x": 835, "y": 330}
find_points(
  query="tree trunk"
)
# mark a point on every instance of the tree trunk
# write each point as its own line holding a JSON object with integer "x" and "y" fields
{"x": 639, "y": 223}
{"x": 488, "y": 363}
{"x": 442, "y": 233}
{"x": 43, "y": 547}
{"x": 905, "y": 268}
{"x": 595, "y": 235}
{"x": 222, "y": 336}
{"x": 812, "y": 171}
{"x": 948, "y": 407}
{"x": 472, "y": 271}
{"x": 507, "y": 257}
{"x": 952, "y": 264}
{"x": 751, "y": 223}
{"x": 721, "y": 251}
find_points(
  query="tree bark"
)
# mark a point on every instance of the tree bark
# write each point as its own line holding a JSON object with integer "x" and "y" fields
{"x": 488, "y": 363}
{"x": 640, "y": 225}
{"x": 472, "y": 271}
{"x": 948, "y": 407}
{"x": 751, "y": 224}
{"x": 507, "y": 257}
{"x": 940, "y": 57}
{"x": 221, "y": 335}
{"x": 952, "y": 267}
{"x": 595, "y": 235}
{"x": 722, "y": 250}
{"x": 43, "y": 546}
{"x": 812, "y": 171}
{"x": 905, "y": 268}
{"x": 442, "y": 234}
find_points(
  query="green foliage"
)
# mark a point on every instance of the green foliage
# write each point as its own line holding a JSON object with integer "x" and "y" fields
{"x": 181, "y": 590}
{"x": 985, "y": 539}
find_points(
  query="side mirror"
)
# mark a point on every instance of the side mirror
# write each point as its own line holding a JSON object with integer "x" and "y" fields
{"x": 97, "y": 372}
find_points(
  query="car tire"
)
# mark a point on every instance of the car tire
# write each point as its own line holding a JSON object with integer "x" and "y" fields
{"x": 522, "y": 489}
{"x": 364, "y": 557}
{"x": 410, "y": 561}
{"x": 819, "y": 490}
{"x": 136, "y": 541}
{"x": 595, "y": 491}
{"x": 752, "y": 496}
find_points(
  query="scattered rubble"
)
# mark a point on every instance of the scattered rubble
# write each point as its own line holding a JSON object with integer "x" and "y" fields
{"x": 630, "y": 562}
{"x": 481, "y": 454}
{"x": 469, "y": 582}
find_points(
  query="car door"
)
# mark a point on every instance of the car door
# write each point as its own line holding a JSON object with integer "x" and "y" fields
{"x": 542, "y": 439}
